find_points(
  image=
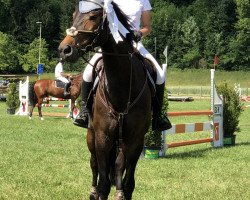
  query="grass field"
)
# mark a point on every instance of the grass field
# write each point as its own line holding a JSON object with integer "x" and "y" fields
{"x": 49, "y": 160}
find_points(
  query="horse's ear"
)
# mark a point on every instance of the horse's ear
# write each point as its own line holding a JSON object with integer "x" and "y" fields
{"x": 75, "y": 11}
{"x": 74, "y": 15}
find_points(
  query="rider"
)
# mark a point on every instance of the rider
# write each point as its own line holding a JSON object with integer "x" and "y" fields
{"x": 138, "y": 12}
{"x": 61, "y": 76}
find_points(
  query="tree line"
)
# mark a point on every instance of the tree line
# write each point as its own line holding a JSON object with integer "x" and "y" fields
{"x": 193, "y": 30}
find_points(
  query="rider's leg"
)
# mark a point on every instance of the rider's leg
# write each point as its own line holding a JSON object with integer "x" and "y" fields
{"x": 66, "y": 85}
{"x": 160, "y": 120}
{"x": 82, "y": 118}
{"x": 66, "y": 89}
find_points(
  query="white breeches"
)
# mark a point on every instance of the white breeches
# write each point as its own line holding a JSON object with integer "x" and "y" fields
{"x": 161, "y": 73}
{"x": 63, "y": 79}
{"x": 87, "y": 74}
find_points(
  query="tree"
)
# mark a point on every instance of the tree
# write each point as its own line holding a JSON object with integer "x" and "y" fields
{"x": 222, "y": 27}
{"x": 30, "y": 60}
{"x": 164, "y": 21}
{"x": 9, "y": 53}
{"x": 239, "y": 55}
{"x": 190, "y": 39}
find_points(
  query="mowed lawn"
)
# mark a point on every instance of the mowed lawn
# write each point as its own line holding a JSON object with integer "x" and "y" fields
{"x": 49, "y": 160}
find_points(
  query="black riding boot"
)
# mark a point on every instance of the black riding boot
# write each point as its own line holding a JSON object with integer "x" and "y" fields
{"x": 82, "y": 119}
{"x": 160, "y": 120}
{"x": 66, "y": 89}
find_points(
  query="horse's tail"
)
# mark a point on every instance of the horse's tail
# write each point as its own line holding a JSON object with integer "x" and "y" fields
{"x": 32, "y": 94}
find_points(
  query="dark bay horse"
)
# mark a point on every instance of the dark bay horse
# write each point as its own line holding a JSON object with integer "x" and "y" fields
{"x": 121, "y": 111}
{"x": 45, "y": 88}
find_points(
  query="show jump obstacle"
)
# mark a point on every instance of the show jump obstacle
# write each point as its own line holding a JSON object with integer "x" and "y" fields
{"x": 24, "y": 101}
{"x": 24, "y": 97}
{"x": 215, "y": 126}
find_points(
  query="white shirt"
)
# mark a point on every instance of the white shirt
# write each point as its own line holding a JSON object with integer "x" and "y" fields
{"x": 58, "y": 70}
{"x": 133, "y": 9}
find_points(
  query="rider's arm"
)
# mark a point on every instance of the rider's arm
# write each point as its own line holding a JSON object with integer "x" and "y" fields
{"x": 146, "y": 23}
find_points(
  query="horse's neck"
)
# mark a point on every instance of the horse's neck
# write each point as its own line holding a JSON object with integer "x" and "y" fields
{"x": 118, "y": 74}
{"x": 117, "y": 67}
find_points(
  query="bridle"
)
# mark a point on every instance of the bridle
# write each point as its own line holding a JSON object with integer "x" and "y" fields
{"x": 73, "y": 32}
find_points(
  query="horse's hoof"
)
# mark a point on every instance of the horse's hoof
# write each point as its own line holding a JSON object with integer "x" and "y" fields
{"x": 41, "y": 118}
{"x": 119, "y": 195}
{"x": 30, "y": 118}
{"x": 93, "y": 194}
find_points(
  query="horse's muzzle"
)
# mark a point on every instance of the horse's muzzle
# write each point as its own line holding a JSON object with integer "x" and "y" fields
{"x": 69, "y": 53}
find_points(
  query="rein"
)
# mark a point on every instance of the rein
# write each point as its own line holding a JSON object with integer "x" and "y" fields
{"x": 120, "y": 115}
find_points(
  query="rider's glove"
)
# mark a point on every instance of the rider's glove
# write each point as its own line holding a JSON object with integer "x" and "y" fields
{"x": 137, "y": 35}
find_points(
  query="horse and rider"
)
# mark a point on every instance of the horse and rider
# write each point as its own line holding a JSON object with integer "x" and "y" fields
{"x": 65, "y": 86}
{"x": 121, "y": 111}
{"x": 140, "y": 20}
{"x": 63, "y": 77}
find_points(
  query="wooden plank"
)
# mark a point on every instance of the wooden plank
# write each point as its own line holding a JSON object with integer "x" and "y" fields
{"x": 189, "y": 142}
{"x": 190, "y": 113}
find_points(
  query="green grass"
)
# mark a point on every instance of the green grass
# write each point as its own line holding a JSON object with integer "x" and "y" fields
{"x": 49, "y": 160}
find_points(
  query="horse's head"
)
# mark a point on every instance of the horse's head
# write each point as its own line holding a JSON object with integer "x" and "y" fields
{"x": 86, "y": 31}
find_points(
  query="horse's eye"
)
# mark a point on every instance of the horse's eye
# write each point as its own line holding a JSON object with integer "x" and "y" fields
{"x": 93, "y": 17}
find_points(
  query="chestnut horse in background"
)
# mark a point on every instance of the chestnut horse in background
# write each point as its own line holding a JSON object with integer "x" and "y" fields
{"x": 121, "y": 112}
{"x": 45, "y": 88}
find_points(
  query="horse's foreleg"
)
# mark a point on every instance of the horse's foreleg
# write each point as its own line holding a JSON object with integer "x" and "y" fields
{"x": 39, "y": 107}
{"x": 94, "y": 168}
{"x": 119, "y": 170}
{"x": 72, "y": 107}
{"x": 104, "y": 184}
{"x": 129, "y": 179}
{"x": 31, "y": 111}
{"x": 93, "y": 164}
{"x": 40, "y": 112}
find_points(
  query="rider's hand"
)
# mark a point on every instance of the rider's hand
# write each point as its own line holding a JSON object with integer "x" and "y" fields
{"x": 137, "y": 35}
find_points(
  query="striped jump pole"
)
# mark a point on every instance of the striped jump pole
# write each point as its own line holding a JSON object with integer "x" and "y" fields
{"x": 55, "y": 105}
{"x": 54, "y": 99}
{"x": 215, "y": 126}
{"x": 48, "y": 99}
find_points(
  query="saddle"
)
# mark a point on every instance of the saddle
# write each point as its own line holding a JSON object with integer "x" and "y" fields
{"x": 59, "y": 84}
{"x": 148, "y": 66}
{"x": 151, "y": 73}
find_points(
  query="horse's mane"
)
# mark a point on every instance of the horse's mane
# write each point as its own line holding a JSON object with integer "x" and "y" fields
{"x": 123, "y": 18}
{"x": 77, "y": 76}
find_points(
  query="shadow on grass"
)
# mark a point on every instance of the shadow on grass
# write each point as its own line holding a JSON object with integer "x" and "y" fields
{"x": 189, "y": 154}
{"x": 199, "y": 153}
{"x": 242, "y": 144}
